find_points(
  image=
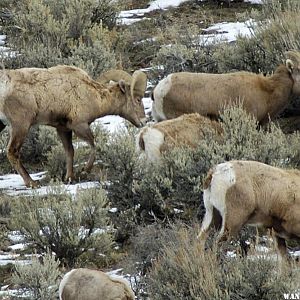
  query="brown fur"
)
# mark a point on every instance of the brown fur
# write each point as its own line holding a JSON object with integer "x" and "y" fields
{"x": 66, "y": 98}
{"x": 87, "y": 284}
{"x": 262, "y": 195}
{"x": 207, "y": 179}
{"x": 186, "y": 130}
{"x": 208, "y": 94}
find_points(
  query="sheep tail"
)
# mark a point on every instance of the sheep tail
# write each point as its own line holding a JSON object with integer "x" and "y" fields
{"x": 152, "y": 96}
{"x": 141, "y": 141}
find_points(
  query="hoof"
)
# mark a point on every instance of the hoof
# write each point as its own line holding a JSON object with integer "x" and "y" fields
{"x": 32, "y": 184}
{"x": 70, "y": 179}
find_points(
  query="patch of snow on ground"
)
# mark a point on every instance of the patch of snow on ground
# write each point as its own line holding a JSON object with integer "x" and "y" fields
{"x": 2, "y": 38}
{"x": 5, "y": 292}
{"x": 13, "y": 185}
{"x": 19, "y": 246}
{"x": 6, "y": 259}
{"x": 5, "y": 51}
{"x": 112, "y": 123}
{"x": 254, "y": 1}
{"x": 227, "y": 32}
{"x": 11, "y": 181}
{"x": 125, "y": 17}
{"x": 16, "y": 237}
{"x": 296, "y": 253}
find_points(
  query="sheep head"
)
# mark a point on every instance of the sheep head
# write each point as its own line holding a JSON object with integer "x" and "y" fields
{"x": 115, "y": 76}
{"x": 293, "y": 65}
{"x": 130, "y": 96}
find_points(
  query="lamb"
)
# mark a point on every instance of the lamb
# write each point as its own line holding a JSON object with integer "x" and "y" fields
{"x": 86, "y": 284}
{"x": 253, "y": 193}
{"x": 66, "y": 98}
{"x": 209, "y": 94}
{"x": 188, "y": 130}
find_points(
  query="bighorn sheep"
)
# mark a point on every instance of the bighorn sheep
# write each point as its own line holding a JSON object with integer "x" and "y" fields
{"x": 253, "y": 193}
{"x": 188, "y": 129}
{"x": 86, "y": 284}
{"x": 208, "y": 94}
{"x": 66, "y": 98}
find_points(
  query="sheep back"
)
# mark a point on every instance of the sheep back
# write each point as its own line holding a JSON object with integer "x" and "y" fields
{"x": 209, "y": 94}
{"x": 87, "y": 284}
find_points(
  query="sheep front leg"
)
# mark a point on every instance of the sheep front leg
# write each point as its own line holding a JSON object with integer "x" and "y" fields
{"x": 83, "y": 131}
{"x": 66, "y": 139}
{"x": 281, "y": 246}
{"x": 17, "y": 137}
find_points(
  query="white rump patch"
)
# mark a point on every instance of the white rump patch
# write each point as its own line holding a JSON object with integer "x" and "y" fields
{"x": 64, "y": 282}
{"x": 153, "y": 139}
{"x": 223, "y": 178}
{"x": 159, "y": 94}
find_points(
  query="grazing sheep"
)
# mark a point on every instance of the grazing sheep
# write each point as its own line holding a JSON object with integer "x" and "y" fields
{"x": 188, "y": 129}
{"x": 253, "y": 193}
{"x": 68, "y": 99}
{"x": 86, "y": 284}
{"x": 208, "y": 94}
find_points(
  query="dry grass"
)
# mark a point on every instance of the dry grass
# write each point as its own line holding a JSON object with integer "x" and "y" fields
{"x": 185, "y": 271}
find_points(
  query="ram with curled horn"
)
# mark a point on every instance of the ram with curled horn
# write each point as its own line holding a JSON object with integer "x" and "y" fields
{"x": 114, "y": 75}
{"x": 264, "y": 97}
{"x": 138, "y": 81}
{"x": 67, "y": 98}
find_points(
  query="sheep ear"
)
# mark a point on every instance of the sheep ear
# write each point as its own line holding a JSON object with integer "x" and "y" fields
{"x": 122, "y": 86}
{"x": 138, "y": 84}
{"x": 290, "y": 65}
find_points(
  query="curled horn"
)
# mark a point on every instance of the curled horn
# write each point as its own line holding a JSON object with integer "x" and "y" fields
{"x": 114, "y": 75}
{"x": 138, "y": 84}
{"x": 294, "y": 56}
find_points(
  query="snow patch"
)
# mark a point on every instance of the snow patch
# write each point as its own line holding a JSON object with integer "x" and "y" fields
{"x": 128, "y": 17}
{"x": 11, "y": 181}
{"x": 6, "y": 259}
{"x": 254, "y": 1}
{"x": 227, "y": 32}
{"x": 13, "y": 185}
{"x": 2, "y": 39}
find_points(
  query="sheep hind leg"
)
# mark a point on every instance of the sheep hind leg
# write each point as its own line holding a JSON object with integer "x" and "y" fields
{"x": 17, "y": 137}
{"x": 232, "y": 223}
{"x": 66, "y": 139}
{"x": 83, "y": 131}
